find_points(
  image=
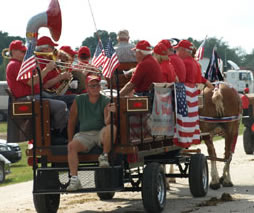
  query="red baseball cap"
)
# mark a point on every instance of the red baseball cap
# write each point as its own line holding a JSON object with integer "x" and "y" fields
{"x": 84, "y": 50}
{"x": 246, "y": 90}
{"x": 45, "y": 40}
{"x": 185, "y": 44}
{"x": 167, "y": 43}
{"x": 160, "y": 49}
{"x": 68, "y": 50}
{"x": 17, "y": 45}
{"x": 93, "y": 77}
{"x": 143, "y": 45}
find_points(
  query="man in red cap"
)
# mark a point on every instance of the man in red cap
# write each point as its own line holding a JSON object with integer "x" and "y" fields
{"x": 176, "y": 61}
{"x": 92, "y": 110}
{"x": 84, "y": 55}
{"x": 147, "y": 71}
{"x": 168, "y": 71}
{"x": 22, "y": 89}
{"x": 185, "y": 49}
{"x": 70, "y": 53}
{"x": 54, "y": 77}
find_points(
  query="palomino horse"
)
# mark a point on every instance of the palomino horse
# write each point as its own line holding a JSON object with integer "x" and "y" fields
{"x": 220, "y": 114}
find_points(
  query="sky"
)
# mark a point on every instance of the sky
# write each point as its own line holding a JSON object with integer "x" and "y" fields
{"x": 229, "y": 20}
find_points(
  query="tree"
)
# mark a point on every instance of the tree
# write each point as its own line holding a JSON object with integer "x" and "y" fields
{"x": 92, "y": 41}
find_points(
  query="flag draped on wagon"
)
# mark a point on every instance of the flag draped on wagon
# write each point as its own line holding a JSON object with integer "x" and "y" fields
{"x": 187, "y": 119}
{"x": 162, "y": 115}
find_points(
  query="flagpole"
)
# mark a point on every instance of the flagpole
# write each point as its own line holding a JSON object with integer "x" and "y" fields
{"x": 96, "y": 30}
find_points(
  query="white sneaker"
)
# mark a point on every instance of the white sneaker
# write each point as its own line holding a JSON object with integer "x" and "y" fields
{"x": 103, "y": 161}
{"x": 74, "y": 184}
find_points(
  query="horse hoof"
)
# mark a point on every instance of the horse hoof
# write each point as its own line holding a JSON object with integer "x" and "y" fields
{"x": 227, "y": 184}
{"x": 215, "y": 186}
{"x": 221, "y": 180}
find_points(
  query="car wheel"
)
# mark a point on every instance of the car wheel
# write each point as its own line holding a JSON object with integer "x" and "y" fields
{"x": 2, "y": 172}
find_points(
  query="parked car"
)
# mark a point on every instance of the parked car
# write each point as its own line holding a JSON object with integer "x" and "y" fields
{"x": 3, "y": 101}
{"x": 4, "y": 168}
{"x": 11, "y": 151}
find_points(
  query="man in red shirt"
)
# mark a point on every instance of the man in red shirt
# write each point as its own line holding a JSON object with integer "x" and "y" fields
{"x": 22, "y": 89}
{"x": 184, "y": 50}
{"x": 147, "y": 71}
{"x": 168, "y": 71}
{"x": 176, "y": 61}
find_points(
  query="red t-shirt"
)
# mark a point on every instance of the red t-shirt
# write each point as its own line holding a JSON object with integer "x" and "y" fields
{"x": 199, "y": 77}
{"x": 147, "y": 72}
{"x": 179, "y": 67}
{"x": 168, "y": 72}
{"x": 18, "y": 88}
{"x": 191, "y": 69}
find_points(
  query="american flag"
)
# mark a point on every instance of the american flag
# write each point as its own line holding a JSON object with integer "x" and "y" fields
{"x": 111, "y": 61}
{"x": 200, "y": 51}
{"x": 99, "y": 55}
{"x": 28, "y": 64}
{"x": 187, "y": 119}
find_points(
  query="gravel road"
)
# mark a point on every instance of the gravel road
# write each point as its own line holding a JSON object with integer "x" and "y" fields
{"x": 18, "y": 197}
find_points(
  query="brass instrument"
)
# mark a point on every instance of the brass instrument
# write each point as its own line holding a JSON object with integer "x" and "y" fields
{"x": 6, "y": 53}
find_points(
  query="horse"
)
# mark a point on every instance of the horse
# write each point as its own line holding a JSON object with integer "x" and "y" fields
{"x": 220, "y": 114}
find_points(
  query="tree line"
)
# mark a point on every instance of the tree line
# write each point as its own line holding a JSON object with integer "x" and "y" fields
{"x": 238, "y": 55}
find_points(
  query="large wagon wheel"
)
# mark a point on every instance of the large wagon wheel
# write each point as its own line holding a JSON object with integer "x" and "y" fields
{"x": 248, "y": 143}
{"x": 198, "y": 175}
{"x": 154, "y": 188}
{"x": 47, "y": 203}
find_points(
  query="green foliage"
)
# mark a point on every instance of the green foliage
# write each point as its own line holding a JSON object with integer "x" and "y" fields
{"x": 92, "y": 41}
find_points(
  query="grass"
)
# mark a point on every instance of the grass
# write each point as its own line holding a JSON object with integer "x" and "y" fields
{"x": 20, "y": 171}
{"x": 3, "y": 127}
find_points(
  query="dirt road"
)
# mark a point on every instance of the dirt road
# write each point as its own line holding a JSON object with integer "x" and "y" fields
{"x": 18, "y": 198}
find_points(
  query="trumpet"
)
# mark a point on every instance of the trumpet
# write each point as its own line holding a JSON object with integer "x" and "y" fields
{"x": 6, "y": 53}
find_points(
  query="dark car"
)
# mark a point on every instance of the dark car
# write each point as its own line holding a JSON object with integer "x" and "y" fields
{"x": 11, "y": 151}
{"x": 4, "y": 168}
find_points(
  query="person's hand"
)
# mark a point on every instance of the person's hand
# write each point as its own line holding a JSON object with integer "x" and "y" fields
{"x": 65, "y": 76}
{"x": 111, "y": 107}
{"x": 50, "y": 66}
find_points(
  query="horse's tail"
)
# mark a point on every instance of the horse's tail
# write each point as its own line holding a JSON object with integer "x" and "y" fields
{"x": 217, "y": 99}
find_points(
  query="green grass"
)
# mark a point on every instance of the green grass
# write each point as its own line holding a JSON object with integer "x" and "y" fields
{"x": 3, "y": 127}
{"x": 20, "y": 171}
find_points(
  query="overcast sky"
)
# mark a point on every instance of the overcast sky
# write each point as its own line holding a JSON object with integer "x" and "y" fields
{"x": 231, "y": 20}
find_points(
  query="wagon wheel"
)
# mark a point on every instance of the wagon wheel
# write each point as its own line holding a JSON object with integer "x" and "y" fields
{"x": 154, "y": 188}
{"x": 198, "y": 175}
{"x": 46, "y": 203}
{"x": 247, "y": 142}
{"x": 101, "y": 179}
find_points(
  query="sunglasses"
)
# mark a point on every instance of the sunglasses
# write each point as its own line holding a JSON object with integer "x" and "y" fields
{"x": 94, "y": 85}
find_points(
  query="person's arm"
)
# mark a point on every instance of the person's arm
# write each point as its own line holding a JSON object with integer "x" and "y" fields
{"x": 73, "y": 117}
{"x": 50, "y": 66}
{"x": 62, "y": 76}
{"x": 110, "y": 107}
{"x": 127, "y": 89}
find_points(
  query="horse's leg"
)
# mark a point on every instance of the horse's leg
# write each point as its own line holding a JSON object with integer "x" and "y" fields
{"x": 230, "y": 138}
{"x": 171, "y": 171}
{"x": 215, "y": 182}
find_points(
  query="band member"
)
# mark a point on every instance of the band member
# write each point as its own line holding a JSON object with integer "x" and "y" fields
{"x": 84, "y": 55}
{"x": 70, "y": 53}
{"x": 147, "y": 71}
{"x": 92, "y": 110}
{"x": 55, "y": 78}
{"x": 161, "y": 54}
{"x": 22, "y": 89}
{"x": 176, "y": 61}
{"x": 123, "y": 47}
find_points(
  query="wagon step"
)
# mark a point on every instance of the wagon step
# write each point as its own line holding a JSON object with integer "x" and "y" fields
{"x": 216, "y": 159}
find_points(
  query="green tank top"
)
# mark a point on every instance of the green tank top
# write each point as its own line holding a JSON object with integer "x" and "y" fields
{"x": 91, "y": 116}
